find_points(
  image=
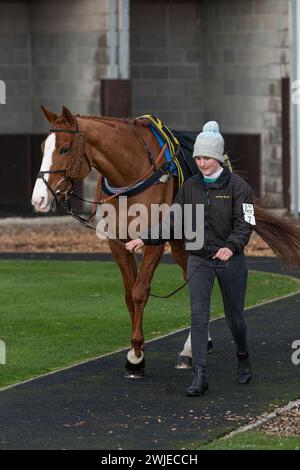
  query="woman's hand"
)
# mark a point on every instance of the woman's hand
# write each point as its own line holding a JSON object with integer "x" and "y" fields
{"x": 134, "y": 245}
{"x": 223, "y": 254}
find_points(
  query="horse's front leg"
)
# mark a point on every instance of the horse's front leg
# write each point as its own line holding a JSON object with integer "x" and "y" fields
{"x": 128, "y": 268}
{"x": 135, "y": 358}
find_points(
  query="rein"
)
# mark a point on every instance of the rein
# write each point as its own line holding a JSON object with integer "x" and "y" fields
{"x": 148, "y": 290}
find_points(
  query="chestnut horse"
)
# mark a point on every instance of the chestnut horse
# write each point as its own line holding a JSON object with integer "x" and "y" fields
{"x": 119, "y": 150}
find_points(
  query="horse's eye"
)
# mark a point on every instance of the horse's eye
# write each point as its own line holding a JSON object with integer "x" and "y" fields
{"x": 64, "y": 150}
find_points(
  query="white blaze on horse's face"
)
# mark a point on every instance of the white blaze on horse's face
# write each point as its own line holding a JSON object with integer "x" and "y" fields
{"x": 40, "y": 196}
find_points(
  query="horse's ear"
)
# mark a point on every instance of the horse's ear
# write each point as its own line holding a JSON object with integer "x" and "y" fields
{"x": 68, "y": 116}
{"x": 51, "y": 117}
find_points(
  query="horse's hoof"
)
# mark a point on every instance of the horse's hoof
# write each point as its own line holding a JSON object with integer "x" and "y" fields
{"x": 183, "y": 362}
{"x": 210, "y": 346}
{"x": 134, "y": 375}
{"x": 135, "y": 371}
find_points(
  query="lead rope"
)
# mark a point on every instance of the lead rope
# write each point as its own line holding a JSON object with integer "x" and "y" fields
{"x": 148, "y": 290}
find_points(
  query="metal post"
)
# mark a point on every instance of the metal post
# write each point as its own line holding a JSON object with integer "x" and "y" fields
{"x": 124, "y": 38}
{"x": 295, "y": 11}
{"x": 112, "y": 40}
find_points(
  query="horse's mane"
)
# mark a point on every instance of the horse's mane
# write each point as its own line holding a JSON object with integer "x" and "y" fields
{"x": 128, "y": 121}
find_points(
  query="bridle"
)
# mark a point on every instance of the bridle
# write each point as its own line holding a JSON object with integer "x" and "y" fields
{"x": 66, "y": 194}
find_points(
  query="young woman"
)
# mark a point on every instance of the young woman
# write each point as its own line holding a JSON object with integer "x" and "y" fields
{"x": 228, "y": 221}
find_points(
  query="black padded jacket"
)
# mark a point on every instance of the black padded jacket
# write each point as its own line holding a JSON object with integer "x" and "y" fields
{"x": 227, "y": 222}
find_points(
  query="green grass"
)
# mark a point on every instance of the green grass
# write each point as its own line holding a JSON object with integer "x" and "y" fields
{"x": 56, "y": 313}
{"x": 254, "y": 440}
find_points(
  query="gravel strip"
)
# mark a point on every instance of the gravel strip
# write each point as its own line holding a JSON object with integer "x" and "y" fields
{"x": 65, "y": 235}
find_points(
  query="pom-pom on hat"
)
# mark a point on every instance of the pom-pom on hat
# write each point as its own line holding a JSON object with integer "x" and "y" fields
{"x": 209, "y": 142}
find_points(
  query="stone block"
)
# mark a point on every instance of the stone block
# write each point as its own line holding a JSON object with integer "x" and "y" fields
{"x": 254, "y": 23}
{"x": 6, "y": 56}
{"x": 135, "y": 72}
{"x": 246, "y": 7}
{"x": 139, "y": 56}
{"x": 184, "y": 72}
{"x": 44, "y": 73}
{"x": 170, "y": 56}
{"x": 14, "y": 73}
{"x": 13, "y": 41}
{"x": 153, "y": 103}
{"x": 187, "y": 40}
{"x": 229, "y": 23}
{"x": 150, "y": 40}
{"x": 185, "y": 102}
{"x": 24, "y": 123}
{"x": 216, "y": 56}
{"x": 194, "y": 55}
{"x": 229, "y": 87}
{"x": 142, "y": 88}
{"x": 21, "y": 56}
{"x": 87, "y": 56}
{"x": 193, "y": 120}
{"x": 155, "y": 71}
{"x": 266, "y": 7}
{"x": 8, "y": 123}
{"x": 17, "y": 104}
{"x": 269, "y": 23}
{"x": 194, "y": 87}
{"x": 11, "y": 10}
{"x": 171, "y": 88}
{"x": 229, "y": 55}
{"x": 172, "y": 119}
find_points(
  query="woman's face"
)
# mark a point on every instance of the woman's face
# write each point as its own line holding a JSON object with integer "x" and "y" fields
{"x": 207, "y": 165}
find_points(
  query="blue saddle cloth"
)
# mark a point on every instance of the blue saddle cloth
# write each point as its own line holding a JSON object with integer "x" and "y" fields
{"x": 167, "y": 154}
{"x": 185, "y": 157}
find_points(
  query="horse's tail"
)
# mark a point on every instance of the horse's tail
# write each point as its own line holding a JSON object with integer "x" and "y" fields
{"x": 281, "y": 234}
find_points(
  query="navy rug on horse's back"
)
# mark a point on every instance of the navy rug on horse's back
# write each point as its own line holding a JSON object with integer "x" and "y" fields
{"x": 185, "y": 157}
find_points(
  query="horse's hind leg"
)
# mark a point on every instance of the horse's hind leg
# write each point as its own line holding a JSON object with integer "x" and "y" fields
{"x": 140, "y": 294}
{"x": 179, "y": 254}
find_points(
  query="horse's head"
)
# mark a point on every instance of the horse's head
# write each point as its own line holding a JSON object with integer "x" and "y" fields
{"x": 64, "y": 160}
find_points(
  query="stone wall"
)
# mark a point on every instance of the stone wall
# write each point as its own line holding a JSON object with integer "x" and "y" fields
{"x": 52, "y": 53}
{"x": 194, "y": 61}
{"x": 69, "y": 55}
{"x": 15, "y": 68}
{"x": 191, "y": 61}
{"x": 246, "y": 53}
{"x": 166, "y": 54}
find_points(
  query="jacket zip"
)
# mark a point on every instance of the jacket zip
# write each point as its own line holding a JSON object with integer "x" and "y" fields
{"x": 208, "y": 205}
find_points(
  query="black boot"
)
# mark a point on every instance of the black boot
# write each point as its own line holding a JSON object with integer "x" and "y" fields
{"x": 199, "y": 385}
{"x": 244, "y": 371}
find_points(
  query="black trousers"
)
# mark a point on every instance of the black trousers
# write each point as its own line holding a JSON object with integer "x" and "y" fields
{"x": 232, "y": 278}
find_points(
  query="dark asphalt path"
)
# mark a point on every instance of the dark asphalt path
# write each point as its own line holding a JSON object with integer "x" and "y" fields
{"x": 92, "y": 406}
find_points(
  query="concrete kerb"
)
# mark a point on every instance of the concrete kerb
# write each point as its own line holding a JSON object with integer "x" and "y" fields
{"x": 261, "y": 420}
